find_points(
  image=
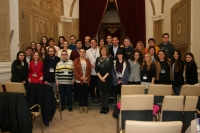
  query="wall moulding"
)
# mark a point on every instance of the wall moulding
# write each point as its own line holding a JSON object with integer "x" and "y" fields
{"x": 66, "y": 19}
{"x": 158, "y": 17}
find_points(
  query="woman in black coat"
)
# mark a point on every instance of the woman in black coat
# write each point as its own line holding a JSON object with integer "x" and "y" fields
{"x": 191, "y": 74}
{"x": 19, "y": 69}
{"x": 177, "y": 72}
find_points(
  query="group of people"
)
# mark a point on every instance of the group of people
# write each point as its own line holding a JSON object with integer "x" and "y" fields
{"x": 101, "y": 68}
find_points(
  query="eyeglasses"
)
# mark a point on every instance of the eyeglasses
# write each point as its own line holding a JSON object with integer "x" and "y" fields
{"x": 64, "y": 54}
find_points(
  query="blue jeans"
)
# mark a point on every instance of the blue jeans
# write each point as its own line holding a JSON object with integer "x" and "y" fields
{"x": 65, "y": 91}
{"x": 176, "y": 89}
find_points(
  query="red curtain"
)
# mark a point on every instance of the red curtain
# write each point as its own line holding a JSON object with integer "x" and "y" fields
{"x": 91, "y": 13}
{"x": 132, "y": 16}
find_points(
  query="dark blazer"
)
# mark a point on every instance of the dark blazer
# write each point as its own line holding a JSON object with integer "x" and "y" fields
{"x": 178, "y": 76}
{"x": 74, "y": 55}
{"x": 191, "y": 74}
{"x": 49, "y": 76}
{"x": 111, "y": 52}
{"x": 19, "y": 72}
{"x": 38, "y": 69}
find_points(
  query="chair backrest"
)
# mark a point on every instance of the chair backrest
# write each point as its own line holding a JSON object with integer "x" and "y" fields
{"x": 190, "y": 90}
{"x": 136, "y": 107}
{"x": 153, "y": 127}
{"x": 189, "y": 110}
{"x": 1, "y": 88}
{"x": 15, "y": 87}
{"x": 132, "y": 89}
{"x": 160, "y": 90}
{"x": 172, "y": 108}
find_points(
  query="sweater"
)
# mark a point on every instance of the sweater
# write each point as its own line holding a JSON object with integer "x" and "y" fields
{"x": 134, "y": 75}
{"x": 79, "y": 72}
{"x": 64, "y": 72}
{"x": 191, "y": 74}
{"x": 168, "y": 48}
{"x": 74, "y": 55}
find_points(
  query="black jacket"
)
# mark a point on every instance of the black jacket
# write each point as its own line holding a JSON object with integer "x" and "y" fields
{"x": 191, "y": 74}
{"x": 43, "y": 95}
{"x": 19, "y": 72}
{"x": 111, "y": 52}
{"x": 15, "y": 114}
{"x": 48, "y": 63}
{"x": 178, "y": 76}
{"x": 149, "y": 74}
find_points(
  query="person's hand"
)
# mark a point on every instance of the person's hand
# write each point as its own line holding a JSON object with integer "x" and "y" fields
{"x": 29, "y": 80}
{"x": 24, "y": 82}
{"x": 86, "y": 78}
{"x": 57, "y": 83}
{"x": 41, "y": 78}
{"x": 93, "y": 65}
{"x": 119, "y": 82}
{"x": 82, "y": 78}
{"x": 102, "y": 79}
{"x": 152, "y": 82}
{"x": 46, "y": 82}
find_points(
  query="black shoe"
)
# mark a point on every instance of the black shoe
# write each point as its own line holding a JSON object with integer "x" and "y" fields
{"x": 102, "y": 110}
{"x": 106, "y": 110}
{"x": 70, "y": 109}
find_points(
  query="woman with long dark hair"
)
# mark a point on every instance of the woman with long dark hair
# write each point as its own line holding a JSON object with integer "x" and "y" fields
{"x": 120, "y": 72}
{"x": 44, "y": 41}
{"x": 163, "y": 69}
{"x": 177, "y": 72}
{"x": 43, "y": 52}
{"x": 19, "y": 69}
{"x": 101, "y": 42}
{"x": 135, "y": 62}
{"x": 61, "y": 41}
{"x": 191, "y": 74}
{"x": 152, "y": 52}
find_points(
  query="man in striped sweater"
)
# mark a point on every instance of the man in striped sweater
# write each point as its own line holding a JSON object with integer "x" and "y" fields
{"x": 64, "y": 76}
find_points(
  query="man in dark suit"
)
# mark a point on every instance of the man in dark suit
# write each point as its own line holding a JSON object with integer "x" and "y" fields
{"x": 113, "y": 49}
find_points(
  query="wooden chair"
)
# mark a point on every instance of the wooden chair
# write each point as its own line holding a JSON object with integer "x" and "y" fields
{"x": 132, "y": 89}
{"x": 159, "y": 91}
{"x": 57, "y": 95}
{"x": 190, "y": 90}
{"x": 15, "y": 87}
{"x": 19, "y": 88}
{"x": 135, "y": 107}
{"x": 153, "y": 127}
{"x": 1, "y": 88}
{"x": 172, "y": 108}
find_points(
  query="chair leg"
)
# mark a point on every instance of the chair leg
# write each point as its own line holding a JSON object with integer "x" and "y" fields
{"x": 60, "y": 110}
{"x": 41, "y": 124}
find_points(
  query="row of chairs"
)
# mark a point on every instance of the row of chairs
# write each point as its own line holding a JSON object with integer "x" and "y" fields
{"x": 140, "y": 108}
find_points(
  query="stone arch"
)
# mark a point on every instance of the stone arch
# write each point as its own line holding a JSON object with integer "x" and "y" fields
{"x": 71, "y": 8}
{"x": 153, "y": 7}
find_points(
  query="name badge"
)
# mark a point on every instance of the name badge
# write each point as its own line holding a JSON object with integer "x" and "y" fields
{"x": 34, "y": 75}
{"x": 145, "y": 77}
{"x": 119, "y": 75}
{"x": 51, "y": 70}
{"x": 162, "y": 70}
{"x": 66, "y": 72}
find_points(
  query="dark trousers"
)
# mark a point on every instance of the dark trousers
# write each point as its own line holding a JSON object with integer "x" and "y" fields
{"x": 65, "y": 91}
{"x": 75, "y": 92}
{"x": 82, "y": 94}
{"x": 117, "y": 89}
{"x": 176, "y": 89}
{"x": 93, "y": 83}
{"x": 105, "y": 98}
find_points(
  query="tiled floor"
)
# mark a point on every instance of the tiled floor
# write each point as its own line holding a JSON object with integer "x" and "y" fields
{"x": 74, "y": 122}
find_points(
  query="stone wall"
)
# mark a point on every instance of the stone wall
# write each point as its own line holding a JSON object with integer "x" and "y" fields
{"x": 38, "y": 18}
{"x": 4, "y": 31}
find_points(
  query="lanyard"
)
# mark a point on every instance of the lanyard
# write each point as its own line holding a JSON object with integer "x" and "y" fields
{"x": 162, "y": 65}
{"x": 93, "y": 53}
{"x": 35, "y": 63}
{"x": 64, "y": 64}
